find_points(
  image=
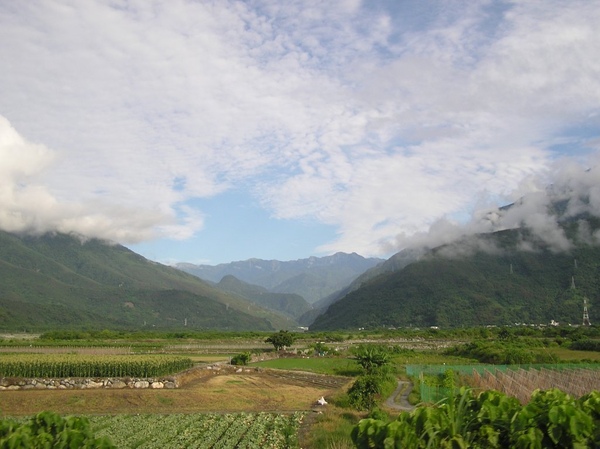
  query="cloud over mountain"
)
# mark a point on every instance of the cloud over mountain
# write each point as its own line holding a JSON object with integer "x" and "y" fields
{"x": 374, "y": 118}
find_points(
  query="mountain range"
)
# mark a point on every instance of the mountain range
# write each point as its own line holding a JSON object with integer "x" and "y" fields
{"x": 505, "y": 277}
{"x": 312, "y": 278}
{"x": 502, "y": 278}
{"x": 58, "y": 280}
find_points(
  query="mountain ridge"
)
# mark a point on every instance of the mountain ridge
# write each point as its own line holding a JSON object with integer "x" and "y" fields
{"x": 97, "y": 284}
{"x": 326, "y": 274}
{"x": 499, "y": 278}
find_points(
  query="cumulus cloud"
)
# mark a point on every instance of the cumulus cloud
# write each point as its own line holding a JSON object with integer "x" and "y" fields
{"x": 377, "y": 118}
{"x": 28, "y": 206}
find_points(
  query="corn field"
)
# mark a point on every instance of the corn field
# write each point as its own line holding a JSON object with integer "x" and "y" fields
{"x": 520, "y": 383}
{"x": 75, "y": 365}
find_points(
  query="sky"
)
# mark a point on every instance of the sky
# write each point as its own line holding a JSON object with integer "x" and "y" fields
{"x": 216, "y": 131}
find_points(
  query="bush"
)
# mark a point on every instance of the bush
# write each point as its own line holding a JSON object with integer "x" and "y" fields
{"x": 586, "y": 345}
{"x": 50, "y": 430}
{"x": 503, "y": 352}
{"x": 369, "y": 389}
{"x": 241, "y": 359}
{"x": 492, "y": 420}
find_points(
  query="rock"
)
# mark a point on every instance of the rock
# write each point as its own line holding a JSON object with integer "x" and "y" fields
{"x": 141, "y": 384}
{"x": 157, "y": 385}
{"x": 118, "y": 384}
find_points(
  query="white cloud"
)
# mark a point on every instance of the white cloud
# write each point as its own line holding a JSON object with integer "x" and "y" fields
{"x": 371, "y": 120}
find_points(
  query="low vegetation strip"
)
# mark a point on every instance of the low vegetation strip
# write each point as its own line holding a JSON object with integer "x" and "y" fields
{"x": 416, "y": 370}
{"x": 206, "y": 430}
{"x": 74, "y": 365}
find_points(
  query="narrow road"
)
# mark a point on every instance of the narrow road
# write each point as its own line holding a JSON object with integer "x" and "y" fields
{"x": 399, "y": 399}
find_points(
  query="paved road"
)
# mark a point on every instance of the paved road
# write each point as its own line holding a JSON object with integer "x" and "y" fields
{"x": 399, "y": 399}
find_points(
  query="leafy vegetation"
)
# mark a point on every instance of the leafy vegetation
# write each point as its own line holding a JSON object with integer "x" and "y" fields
{"x": 226, "y": 431}
{"x": 552, "y": 419}
{"x": 50, "y": 430}
{"x": 376, "y": 382}
{"x": 281, "y": 340}
{"x": 241, "y": 359}
{"x": 504, "y": 353}
{"x": 586, "y": 345}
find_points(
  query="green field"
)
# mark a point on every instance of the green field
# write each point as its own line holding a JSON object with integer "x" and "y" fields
{"x": 199, "y": 430}
{"x": 322, "y": 365}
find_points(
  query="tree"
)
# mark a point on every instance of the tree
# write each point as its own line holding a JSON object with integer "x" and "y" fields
{"x": 372, "y": 358}
{"x": 281, "y": 340}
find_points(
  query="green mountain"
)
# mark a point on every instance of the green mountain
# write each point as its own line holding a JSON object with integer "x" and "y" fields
{"x": 61, "y": 280}
{"x": 312, "y": 278}
{"x": 286, "y": 303}
{"x": 501, "y": 278}
{"x": 394, "y": 263}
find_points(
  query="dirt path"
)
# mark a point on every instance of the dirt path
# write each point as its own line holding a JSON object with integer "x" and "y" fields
{"x": 399, "y": 399}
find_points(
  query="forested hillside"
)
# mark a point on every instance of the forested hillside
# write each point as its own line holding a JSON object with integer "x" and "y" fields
{"x": 286, "y": 303}
{"x": 63, "y": 280}
{"x": 482, "y": 280}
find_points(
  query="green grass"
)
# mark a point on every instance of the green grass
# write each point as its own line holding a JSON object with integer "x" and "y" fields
{"x": 331, "y": 430}
{"x": 321, "y": 365}
{"x": 566, "y": 354}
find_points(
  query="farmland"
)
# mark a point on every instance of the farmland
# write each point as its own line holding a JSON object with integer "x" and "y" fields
{"x": 73, "y": 365}
{"x": 200, "y": 430}
{"x": 237, "y": 403}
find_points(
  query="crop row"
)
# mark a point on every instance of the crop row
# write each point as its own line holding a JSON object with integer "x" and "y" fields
{"x": 76, "y": 365}
{"x": 521, "y": 383}
{"x": 207, "y": 431}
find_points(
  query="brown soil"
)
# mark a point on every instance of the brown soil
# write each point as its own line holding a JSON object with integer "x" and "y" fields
{"x": 201, "y": 390}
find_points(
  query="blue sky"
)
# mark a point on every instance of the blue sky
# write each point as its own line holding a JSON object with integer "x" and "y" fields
{"x": 212, "y": 131}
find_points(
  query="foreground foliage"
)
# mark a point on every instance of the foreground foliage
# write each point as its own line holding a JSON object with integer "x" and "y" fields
{"x": 552, "y": 419}
{"x": 49, "y": 430}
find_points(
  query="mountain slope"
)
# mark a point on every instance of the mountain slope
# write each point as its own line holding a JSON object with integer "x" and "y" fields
{"x": 463, "y": 284}
{"x": 62, "y": 280}
{"x": 312, "y": 278}
{"x": 394, "y": 263}
{"x": 286, "y": 303}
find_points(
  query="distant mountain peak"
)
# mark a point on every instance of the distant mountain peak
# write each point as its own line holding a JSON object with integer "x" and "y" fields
{"x": 325, "y": 274}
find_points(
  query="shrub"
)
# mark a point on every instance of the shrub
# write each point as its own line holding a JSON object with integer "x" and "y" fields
{"x": 492, "y": 420}
{"x": 367, "y": 390}
{"x": 50, "y": 430}
{"x": 241, "y": 359}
